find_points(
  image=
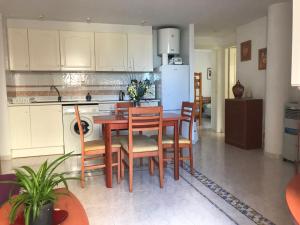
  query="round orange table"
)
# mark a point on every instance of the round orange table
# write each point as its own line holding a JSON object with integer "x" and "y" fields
{"x": 293, "y": 198}
{"x": 77, "y": 214}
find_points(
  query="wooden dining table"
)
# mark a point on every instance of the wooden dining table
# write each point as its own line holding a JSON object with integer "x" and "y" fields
{"x": 120, "y": 122}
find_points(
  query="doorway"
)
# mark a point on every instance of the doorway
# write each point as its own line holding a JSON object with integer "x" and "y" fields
{"x": 205, "y": 63}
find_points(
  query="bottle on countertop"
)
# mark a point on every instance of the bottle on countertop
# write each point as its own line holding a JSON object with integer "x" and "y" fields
{"x": 121, "y": 95}
{"x": 88, "y": 97}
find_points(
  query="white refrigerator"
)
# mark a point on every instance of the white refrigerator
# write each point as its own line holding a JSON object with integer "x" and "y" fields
{"x": 175, "y": 86}
{"x": 174, "y": 89}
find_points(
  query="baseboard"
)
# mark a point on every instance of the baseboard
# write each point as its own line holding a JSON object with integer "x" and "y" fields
{"x": 273, "y": 155}
{"x": 20, "y": 153}
{"x": 5, "y": 157}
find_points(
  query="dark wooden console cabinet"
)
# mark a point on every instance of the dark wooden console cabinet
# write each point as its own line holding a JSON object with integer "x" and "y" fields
{"x": 243, "y": 122}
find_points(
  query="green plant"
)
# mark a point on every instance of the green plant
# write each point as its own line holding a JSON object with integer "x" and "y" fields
{"x": 37, "y": 188}
{"x": 137, "y": 89}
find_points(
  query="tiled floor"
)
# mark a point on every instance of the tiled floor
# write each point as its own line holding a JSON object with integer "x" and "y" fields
{"x": 247, "y": 178}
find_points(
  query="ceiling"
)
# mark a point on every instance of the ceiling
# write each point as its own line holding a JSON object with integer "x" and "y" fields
{"x": 209, "y": 16}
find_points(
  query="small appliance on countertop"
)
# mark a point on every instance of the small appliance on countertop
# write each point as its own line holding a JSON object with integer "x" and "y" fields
{"x": 176, "y": 61}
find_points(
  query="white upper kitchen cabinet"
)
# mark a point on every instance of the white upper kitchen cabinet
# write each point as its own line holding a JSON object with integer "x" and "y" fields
{"x": 46, "y": 125}
{"x": 44, "y": 50}
{"x": 111, "y": 51}
{"x": 19, "y": 120}
{"x": 77, "y": 50}
{"x": 140, "y": 52}
{"x": 18, "y": 49}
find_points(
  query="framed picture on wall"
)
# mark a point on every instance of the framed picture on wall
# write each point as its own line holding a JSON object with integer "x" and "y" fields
{"x": 246, "y": 51}
{"x": 209, "y": 73}
{"x": 262, "y": 59}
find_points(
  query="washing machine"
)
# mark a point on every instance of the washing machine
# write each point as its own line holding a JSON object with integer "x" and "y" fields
{"x": 71, "y": 130}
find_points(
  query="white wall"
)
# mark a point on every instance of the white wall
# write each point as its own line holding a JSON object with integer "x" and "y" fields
{"x": 185, "y": 44}
{"x": 253, "y": 79}
{"x": 4, "y": 126}
{"x": 191, "y": 59}
{"x": 296, "y": 44}
{"x": 212, "y": 42}
{"x": 220, "y": 92}
{"x": 278, "y": 74}
{"x": 205, "y": 58}
{"x": 156, "y": 58}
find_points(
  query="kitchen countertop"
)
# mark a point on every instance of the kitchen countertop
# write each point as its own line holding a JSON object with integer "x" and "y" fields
{"x": 79, "y": 102}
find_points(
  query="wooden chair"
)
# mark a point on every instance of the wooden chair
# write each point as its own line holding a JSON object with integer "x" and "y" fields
{"x": 121, "y": 108}
{"x": 139, "y": 146}
{"x": 188, "y": 113}
{"x": 94, "y": 150}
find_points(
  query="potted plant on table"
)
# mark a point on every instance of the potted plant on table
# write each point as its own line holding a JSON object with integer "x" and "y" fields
{"x": 37, "y": 193}
{"x": 138, "y": 89}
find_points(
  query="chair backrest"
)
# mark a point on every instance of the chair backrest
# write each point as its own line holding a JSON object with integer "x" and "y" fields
{"x": 78, "y": 120}
{"x": 121, "y": 108}
{"x": 188, "y": 113}
{"x": 144, "y": 119}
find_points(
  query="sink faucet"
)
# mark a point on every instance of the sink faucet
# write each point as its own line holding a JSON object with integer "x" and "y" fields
{"x": 54, "y": 87}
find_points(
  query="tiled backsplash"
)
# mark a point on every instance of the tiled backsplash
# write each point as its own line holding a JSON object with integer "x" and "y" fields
{"x": 73, "y": 85}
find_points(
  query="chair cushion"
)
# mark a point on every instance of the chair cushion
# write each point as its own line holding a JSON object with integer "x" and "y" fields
{"x": 7, "y": 189}
{"x": 141, "y": 143}
{"x": 168, "y": 139}
{"x": 94, "y": 145}
{"x": 100, "y": 144}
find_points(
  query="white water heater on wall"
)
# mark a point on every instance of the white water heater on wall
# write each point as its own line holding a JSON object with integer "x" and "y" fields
{"x": 168, "y": 41}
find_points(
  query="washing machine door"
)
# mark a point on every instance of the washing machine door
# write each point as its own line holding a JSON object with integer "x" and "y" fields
{"x": 86, "y": 124}
{"x": 72, "y": 135}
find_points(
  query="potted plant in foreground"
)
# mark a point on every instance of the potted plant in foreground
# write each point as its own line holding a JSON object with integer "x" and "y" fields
{"x": 37, "y": 193}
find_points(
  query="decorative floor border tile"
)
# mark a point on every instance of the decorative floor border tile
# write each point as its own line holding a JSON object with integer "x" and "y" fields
{"x": 242, "y": 207}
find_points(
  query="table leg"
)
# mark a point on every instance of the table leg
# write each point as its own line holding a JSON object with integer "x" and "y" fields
{"x": 176, "y": 152}
{"x": 108, "y": 156}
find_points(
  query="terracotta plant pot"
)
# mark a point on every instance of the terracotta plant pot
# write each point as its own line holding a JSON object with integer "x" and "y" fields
{"x": 238, "y": 90}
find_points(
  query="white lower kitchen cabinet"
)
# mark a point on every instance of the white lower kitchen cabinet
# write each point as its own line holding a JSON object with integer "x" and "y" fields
{"x": 36, "y": 130}
{"x": 19, "y": 119}
{"x": 46, "y": 126}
